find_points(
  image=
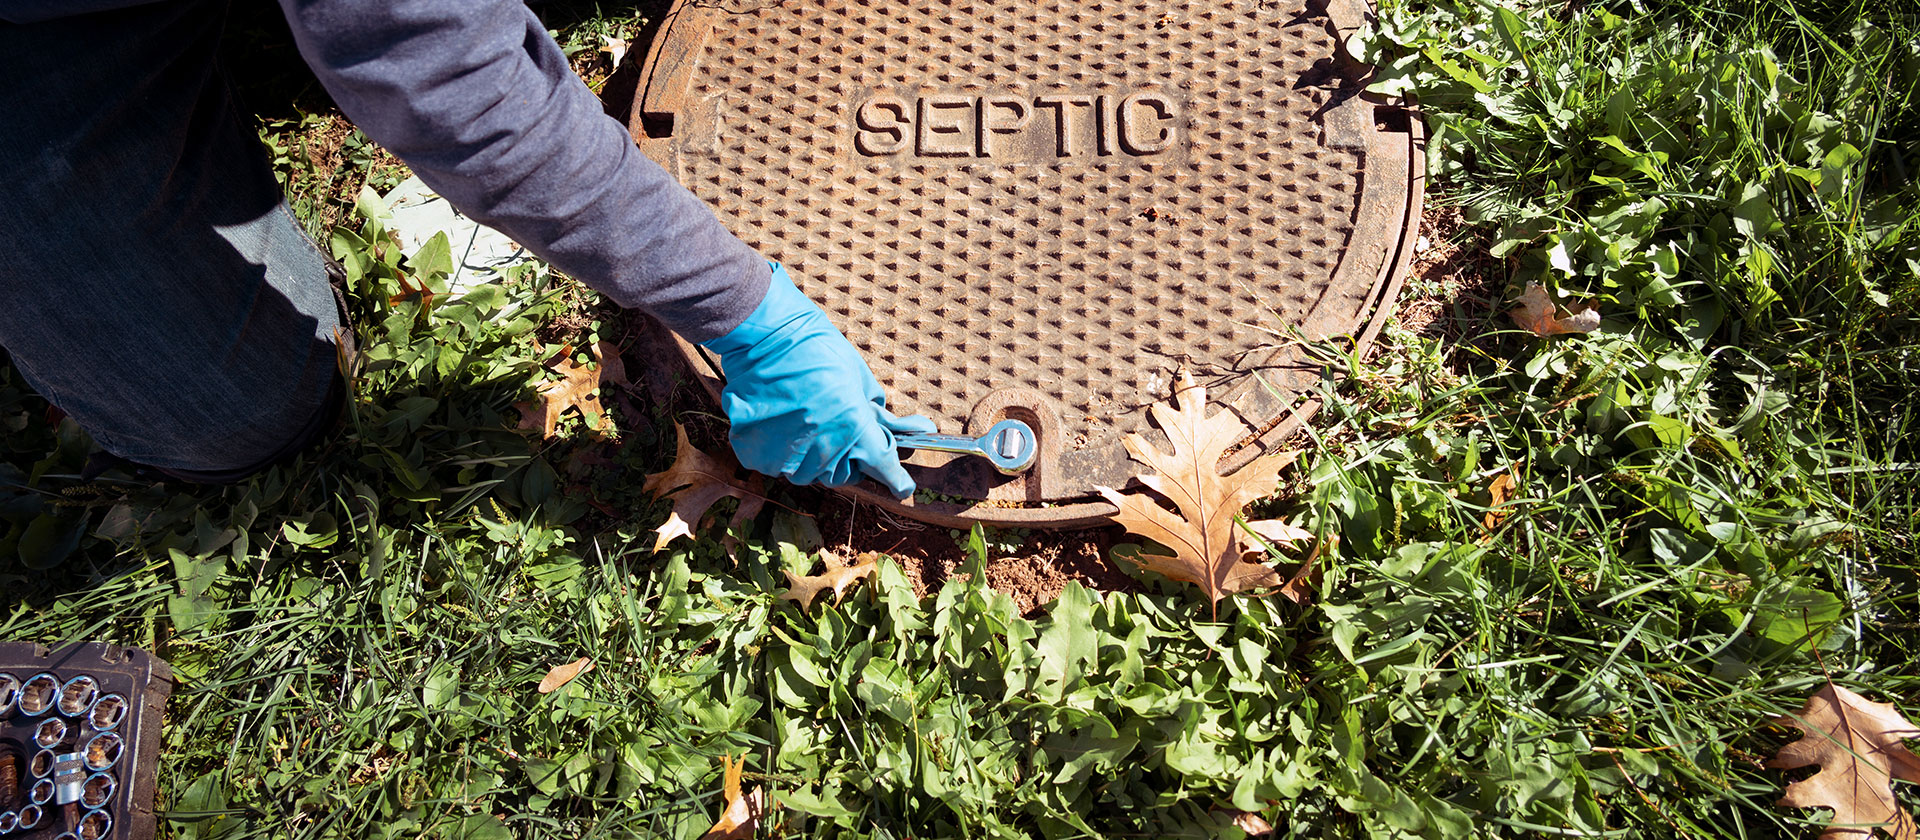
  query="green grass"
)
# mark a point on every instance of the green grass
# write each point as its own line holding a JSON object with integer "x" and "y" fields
{"x": 1715, "y": 511}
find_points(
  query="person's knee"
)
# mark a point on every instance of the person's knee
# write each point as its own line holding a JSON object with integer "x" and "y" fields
{"x": 200, "y": 422}
{"x": 228, "y": 440}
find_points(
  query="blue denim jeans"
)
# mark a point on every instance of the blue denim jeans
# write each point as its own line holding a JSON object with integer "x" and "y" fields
{"x": 152, "y": 283}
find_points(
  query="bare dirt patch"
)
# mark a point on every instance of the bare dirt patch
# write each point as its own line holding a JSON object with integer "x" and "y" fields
{"x": 1032, "y": 574}
{"x": 1455, "y": 284}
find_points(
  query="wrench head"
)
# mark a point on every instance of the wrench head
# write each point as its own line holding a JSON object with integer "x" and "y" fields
{"x": 1011, "y": 446}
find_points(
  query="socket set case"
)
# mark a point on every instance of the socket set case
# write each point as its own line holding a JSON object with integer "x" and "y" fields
{"x": 79, "y": 741}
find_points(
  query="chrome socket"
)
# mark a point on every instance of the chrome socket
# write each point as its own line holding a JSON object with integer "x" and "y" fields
{"x": 31, "y": 816}
{"x": 78, "y": 695}
{"x": 9, "y": 821}
{"x": 94, "y": 826}
{"x": 41, "y": 793}
{"x": 97, "y": 791}
{"x": 107, "y": 712}
{"x": 103, "y": 750}
{"x": 69, "y": 777}
{"x": 38, "y": 694}
{"x": 41, "y": 764}
{"x": 50, "y": 733}
{"x": 9, "y": 693}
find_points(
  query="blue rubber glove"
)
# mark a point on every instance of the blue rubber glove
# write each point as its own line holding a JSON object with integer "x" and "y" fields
{"x": 802, "y": 402}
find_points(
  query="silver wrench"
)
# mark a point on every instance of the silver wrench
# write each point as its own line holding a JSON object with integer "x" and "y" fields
{"x": 1009, "y": 445}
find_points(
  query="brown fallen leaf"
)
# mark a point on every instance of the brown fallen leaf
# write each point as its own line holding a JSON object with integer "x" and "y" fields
{"x": 563, "y": 674}
{"x": 373, "y": 769}
{"x": 837, "y": 577}
{"x": 1299, "y": 587}
{"x": 347, "y": 356}
{"x": 696, "y": 480}
{"x": 1277, "y": 531}
{"x": 1537, "y": 314}
{"x": 408, "y": 288}
{"x": 1205, "y": 540}
{"x": 1857, "y": 744}
{"x": 1251, "y": 823}
{"x": 741, "y": 818}
{"x": 1499, "y": 492}
{"x": 578, "y": 388}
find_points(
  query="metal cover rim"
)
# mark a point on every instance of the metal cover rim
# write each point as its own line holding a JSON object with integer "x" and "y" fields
{"x": 716, "y": 105}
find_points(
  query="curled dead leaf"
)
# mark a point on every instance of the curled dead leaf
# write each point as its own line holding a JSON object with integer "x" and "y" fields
{"x": 563, "y": 674}
{"x": 1278, "y": 531}
{"x": 1536, "y": 313}
{"x": 1299, "y": 587}
{"x": 577, "y": 388}
{"x": 1499, "y": 492}
{"x": 1857, "y": 745}
{"x": 695, "y": 481}
{"x": 837, "y": 578}
{"x": 740, "y": 819}
{"x": 1251, "y": 823}
{"x": 1206, "y": 542}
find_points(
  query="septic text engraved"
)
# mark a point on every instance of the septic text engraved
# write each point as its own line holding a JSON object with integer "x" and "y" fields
{"x": 1009, "y": 127}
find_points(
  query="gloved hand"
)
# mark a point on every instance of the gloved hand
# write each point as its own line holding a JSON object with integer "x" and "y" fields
{"x": 802, "y": 402}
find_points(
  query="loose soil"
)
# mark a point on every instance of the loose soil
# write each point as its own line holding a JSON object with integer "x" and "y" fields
{"x": 1454, "y": 284}
{"x": 1033, "y": 575}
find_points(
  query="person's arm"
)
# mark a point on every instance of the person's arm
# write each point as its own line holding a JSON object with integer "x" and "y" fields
{"x": 480, "y": 102}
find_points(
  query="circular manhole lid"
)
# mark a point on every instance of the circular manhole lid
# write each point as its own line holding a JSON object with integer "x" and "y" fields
{"x": 1044, "y": 210}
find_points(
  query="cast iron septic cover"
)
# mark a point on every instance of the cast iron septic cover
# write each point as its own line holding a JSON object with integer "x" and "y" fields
{"x": 1042, "y": 209}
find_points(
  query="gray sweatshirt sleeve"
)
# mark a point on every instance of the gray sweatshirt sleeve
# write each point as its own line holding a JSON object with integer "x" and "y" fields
{"x": 479, "y": 100}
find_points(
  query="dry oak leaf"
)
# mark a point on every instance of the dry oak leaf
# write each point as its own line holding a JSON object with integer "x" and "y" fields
{"x": 1537, "y": 314}
{"x": 578, "y": 387}
{"x": 837, "y": 577}
{"x": 1277, "y": 531}
{"x": 408, "y": 289}
{"x": 1298, "y": 588}
{"x": 1499, "y": 492}
{"x": 563, "y": 674}
{"x": 1856, "y": 743}
{"x": 741, "y": 818}
{"x": 696, "y": 480}
{"x": 1206, "y": 542}
{"x": 1253, "y": 824}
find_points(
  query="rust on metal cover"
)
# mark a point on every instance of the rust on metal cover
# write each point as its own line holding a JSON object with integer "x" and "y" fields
{"x": 1043, "y": 210}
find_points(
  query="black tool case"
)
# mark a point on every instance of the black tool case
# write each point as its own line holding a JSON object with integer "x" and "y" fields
{"x": 79, "y": 740}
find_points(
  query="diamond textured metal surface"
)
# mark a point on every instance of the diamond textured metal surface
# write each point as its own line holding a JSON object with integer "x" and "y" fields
{"x": 1042, "y": 210}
